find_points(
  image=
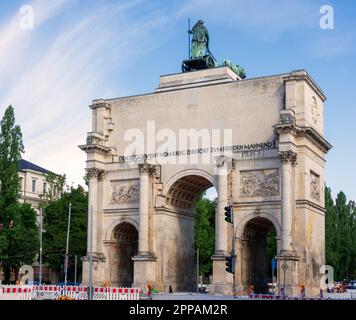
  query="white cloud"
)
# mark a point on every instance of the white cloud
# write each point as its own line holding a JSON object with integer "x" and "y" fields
{"x": 14, "y": 40}
{"x": 261, "y": 18}
{"x": 52, "y": 93}
{"x": 333, "y": 44}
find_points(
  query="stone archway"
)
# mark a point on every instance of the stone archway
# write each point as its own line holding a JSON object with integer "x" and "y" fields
{"x": 179, "y": 259}
{"x": 254, "y": 258}
{"x": 123, "y": 246}
{"x": 277, "y": 167}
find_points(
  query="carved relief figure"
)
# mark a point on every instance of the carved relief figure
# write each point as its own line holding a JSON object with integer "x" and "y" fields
{"x": 124, "y": 193}
{"x": 314, "y": 186}
{"x": 314, "y": 110}
{"x": 259, "y": 183}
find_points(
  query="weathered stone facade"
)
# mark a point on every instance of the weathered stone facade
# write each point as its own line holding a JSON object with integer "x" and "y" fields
{"x": 143, "y": 210}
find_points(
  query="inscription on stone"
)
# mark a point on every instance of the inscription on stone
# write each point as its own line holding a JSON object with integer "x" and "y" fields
{"x": 259, "y": 183}
{"x": 123, "y": 192}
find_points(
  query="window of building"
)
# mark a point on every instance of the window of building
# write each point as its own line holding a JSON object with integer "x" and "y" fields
{"x": 44, "y": 187}
{"x": 33, "y": 185}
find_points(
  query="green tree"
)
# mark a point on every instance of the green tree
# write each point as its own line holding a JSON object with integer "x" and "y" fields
{"x": 332, "y": 243}
{"x": 18, "y": 229}
{"x": 340, "y": 235}
{"x": 22, "y": 240}
{"x": 204, "y": 233}
{"x": 11, "y": 147}
{"x": 56, "y": 185}
{"x": 352, "y": 206}
{"x": 55, "y": 223}
{"x": 344, "y": 232}
{"x": 271, "y": 248}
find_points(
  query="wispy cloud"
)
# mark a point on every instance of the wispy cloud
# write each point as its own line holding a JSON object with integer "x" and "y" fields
{"x": 14, "y": 40}
{"x": 261, "y": 18}
{"x": 333, "y": 44}
{"x": 56, "y": 85}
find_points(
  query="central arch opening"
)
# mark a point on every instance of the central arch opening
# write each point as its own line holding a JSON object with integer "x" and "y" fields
{"x": 194, "y": 239}
{"x": 260, "y": 247}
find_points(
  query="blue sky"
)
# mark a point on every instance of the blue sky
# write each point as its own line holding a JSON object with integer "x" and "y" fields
{"x": 81, "y": 50}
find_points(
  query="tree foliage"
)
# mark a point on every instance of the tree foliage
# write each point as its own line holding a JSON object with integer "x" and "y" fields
{"x": 56, "y": 184}
{"x": 11, "y": 147}
{"x": 55, "y": 222}
{"x": 340, "y": 235}
{"x": 18, "y": 229}
{"x": 205, "y": 233}
{"x": 271, "y": 248}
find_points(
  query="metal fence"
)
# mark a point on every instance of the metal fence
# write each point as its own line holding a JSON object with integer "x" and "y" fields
{"x": 323, "y": 296}
{"x": 48, "y": 292}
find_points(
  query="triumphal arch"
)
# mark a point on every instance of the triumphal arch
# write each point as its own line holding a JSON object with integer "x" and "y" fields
{"x": 258, "y": 141}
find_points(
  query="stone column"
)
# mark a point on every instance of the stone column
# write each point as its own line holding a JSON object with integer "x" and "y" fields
{"x": 221, "y": 224}
{"x": 144, "y": 261}
{"x": 288, "y": 158}
{"x": 222, "y": 281}
{"x": 288, "y": 261}
{"x": 98, "y": 258}
{"x": 93, "y": 174}
{"x": 145, "y": 170}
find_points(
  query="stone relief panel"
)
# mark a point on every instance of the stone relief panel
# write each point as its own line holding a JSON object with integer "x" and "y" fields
{"x": 124, "y": 192}
{"x": 314, "y": 186}
{"x": 314, "y": 111}
{"x": 259, "y": 183}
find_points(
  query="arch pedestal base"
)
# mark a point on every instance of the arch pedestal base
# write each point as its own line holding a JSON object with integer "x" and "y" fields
{"x": 144, "y": 271}
{"x": 98, "y": 269}
{"x": 222, "y": 280}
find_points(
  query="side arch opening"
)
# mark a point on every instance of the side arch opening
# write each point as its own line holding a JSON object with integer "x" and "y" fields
{"x": 123, "y": 246}
{"x": 260, "y": 247}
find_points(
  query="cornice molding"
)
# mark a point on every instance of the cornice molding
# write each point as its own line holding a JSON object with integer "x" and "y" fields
{"x": 298, "y": 131}
{"x": 89, "y": 148}
{"x": 315, "y": 136}
{"x": 100, "y": 104}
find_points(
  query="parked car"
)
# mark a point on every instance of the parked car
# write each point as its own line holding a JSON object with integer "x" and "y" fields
{"x": 339, "y": 287}
{"x": 202, "y": 288}
{"x": 69, "y": 283}
{"x": 272, "y": 287}
{"x": 351, "y": 285}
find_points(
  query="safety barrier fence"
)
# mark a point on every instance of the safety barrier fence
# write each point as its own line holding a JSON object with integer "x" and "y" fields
{"x": 280, "y": 297}
{"x": 323, "y": 296}
{"x": 48, "y": 292}
{"x": 16, "y": 292}
{"x": 340, "y": 296}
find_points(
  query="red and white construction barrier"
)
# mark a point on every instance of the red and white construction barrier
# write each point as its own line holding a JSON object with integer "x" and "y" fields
{"x": 267, "y": 297}
{"x": 304, "y": 298}
{"x": 49, "y": 292}
{"x": 284, "y": 297}
{"x": 15, "y": 292}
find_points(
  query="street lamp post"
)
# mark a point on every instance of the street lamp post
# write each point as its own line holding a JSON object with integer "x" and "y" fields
{"x": 75, "y": 269}
{"x": 198, "y": 270}
{"x": 90, "y": 291}
{"x": 40, "y": 274}
{"x": 67, "y": 246}
{"x": 233, "y": 254}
